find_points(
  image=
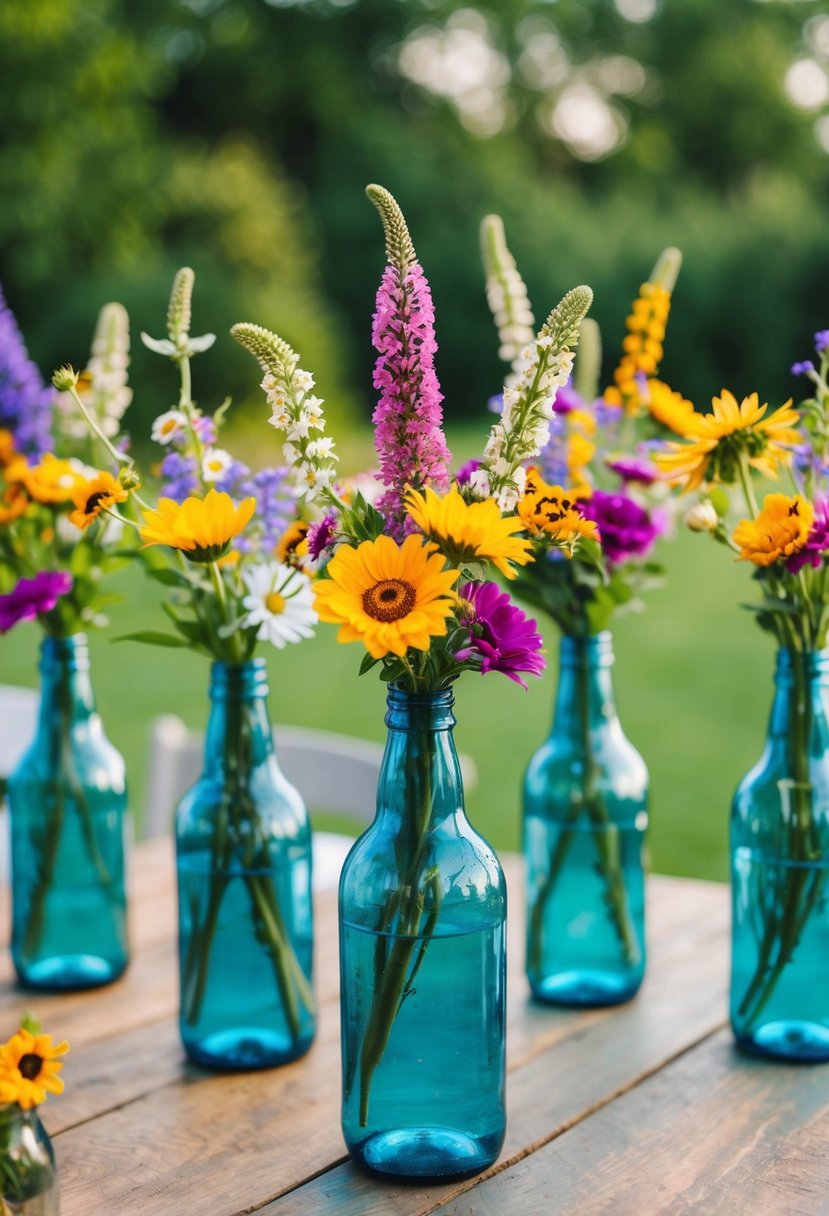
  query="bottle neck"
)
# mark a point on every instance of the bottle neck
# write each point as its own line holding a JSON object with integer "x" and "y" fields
{"x": 238, "y": 733}
{"x": 420, "y": 779}
{"x": 66, "y": 693}
{"x": 585, "y": 700}
{"x": 801, "y": 696}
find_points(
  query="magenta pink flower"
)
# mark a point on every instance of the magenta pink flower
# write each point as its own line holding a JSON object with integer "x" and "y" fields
{"x": 627, "y": 530}
{"x": 502, "y": 636}
{"x": 320, "y": 536}
{"x": 408, "y": 416}
{"x": 816, "y": 546}
{"x": 32, "y": 597}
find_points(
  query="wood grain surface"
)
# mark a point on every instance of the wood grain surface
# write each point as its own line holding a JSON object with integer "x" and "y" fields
{"x": 644, "y": 1108}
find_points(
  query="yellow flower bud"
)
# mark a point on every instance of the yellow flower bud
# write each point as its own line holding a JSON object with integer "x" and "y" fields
{"x": 65, "y": 378}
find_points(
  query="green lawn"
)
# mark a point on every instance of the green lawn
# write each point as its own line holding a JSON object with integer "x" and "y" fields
{"x": 692, "y": 680}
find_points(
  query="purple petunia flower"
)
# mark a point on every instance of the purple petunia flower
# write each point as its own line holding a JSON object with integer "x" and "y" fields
{"x": 179, "y": 476}
{"x": 466, "y": 470}
{"x": 632, "y": 468}
{"x": 32, "y": 597}
{"x": 567, "y": 399}
{"x": 626, "y": 529}
{"x": 25, "y": 402}
{"x": 503, "y": 637}
{"x": 817, "y": 544}
{"x": 408, "y": 416}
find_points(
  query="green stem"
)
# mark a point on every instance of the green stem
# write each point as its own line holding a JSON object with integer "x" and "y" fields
{"x": 605, "y": 838}
{"x": 748, "y": 489}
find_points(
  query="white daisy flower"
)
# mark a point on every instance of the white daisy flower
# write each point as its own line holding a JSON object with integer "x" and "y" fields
{"x": 215, "y": 462}
{"x": 169, "y": 426}
{"x": 280, "y": 602}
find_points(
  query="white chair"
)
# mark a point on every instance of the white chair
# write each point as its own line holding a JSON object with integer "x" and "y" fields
{"x": 332, "y": 772}
{"x": 18, "y": 722}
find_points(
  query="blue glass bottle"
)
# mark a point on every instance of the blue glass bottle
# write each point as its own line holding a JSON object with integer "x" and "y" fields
{"x": 68, "y": 800}
{"x": 585, "y": 817}
{"x": 422, "y": 964}
{"x": 243, "y": 845}
{"x": 780, "y": 873}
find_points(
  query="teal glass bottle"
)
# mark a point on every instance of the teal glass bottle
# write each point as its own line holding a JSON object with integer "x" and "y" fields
{"x": 780, "y": 873}
{"x": 28, "y": 1176}
{"x": 422, "y": 908}
{"x": 585, "y": 817}
{"x": 243, "y": 847}
{"x": 422, "y": 964}
{"x": 68, "y": 799}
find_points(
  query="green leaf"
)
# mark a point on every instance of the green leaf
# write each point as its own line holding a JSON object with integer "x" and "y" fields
{"x": 153, "y": 638}
{"x": 368, "y": 662}
{"x": 160, "y": 346}
{"x": 167, "y": 576}
{"x": 474, "y": 571}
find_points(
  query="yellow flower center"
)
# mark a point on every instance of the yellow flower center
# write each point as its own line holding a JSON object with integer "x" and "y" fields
{"x": 170, "y": 425}
{"x": 275, "y": 603}
{"x": 30, "y": 1066}
{"x": 389, "y": 600}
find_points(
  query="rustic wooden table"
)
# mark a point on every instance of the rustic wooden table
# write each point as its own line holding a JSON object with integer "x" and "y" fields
{"x": 646, "y": 1108}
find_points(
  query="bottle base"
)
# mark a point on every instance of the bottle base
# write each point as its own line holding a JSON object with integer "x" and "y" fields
{"x": 585, "y": 989}
{"x": 245, "y": 1049}
{"x": 70, "y": 972}
{"x": 425, "y": 1154}
{"x": 788, "y": 1040}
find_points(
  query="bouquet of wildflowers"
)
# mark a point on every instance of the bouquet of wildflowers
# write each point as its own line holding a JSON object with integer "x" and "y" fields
{"x": 593, "y": 489}
{"x": 29, "y": 1071}
{"x": 785, "y": 540}
{"x": 408, "y": 576}
{"x": 215, "y": 538}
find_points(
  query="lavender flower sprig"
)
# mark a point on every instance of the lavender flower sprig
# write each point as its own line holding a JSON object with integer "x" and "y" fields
{"x": 296, "y": 411}
{"x": 25, "y": 401}
{"x": 524, "y": 426}
{"x": 407, "y": 419}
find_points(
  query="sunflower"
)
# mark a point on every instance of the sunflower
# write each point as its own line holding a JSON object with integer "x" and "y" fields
{"x": 554, "y": 512}
{"x": 202, "y": 528}
{"x": 29, "y": 1067}
{"x": 51, "y": 481}
{"x": 780, "y": 530}
{"x": 469, "y": 531}
{"x": 721, "y": 440}
{"x": 387, "y": 596}
{"x": 291, "y": 544}
{"x": 94, "y": 496}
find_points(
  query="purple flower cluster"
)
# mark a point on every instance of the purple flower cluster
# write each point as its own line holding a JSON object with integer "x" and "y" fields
{"x": 552, "y": 458}
{"x": 275, "y": 503}
{"x": 31, "y": 597}
{"x": 25, "y": 402}
{"x": 501, "y": 636}
{"x": 634, "y": 469}
{"x": 813, "y": 551}
{"x": 822, "y": 341}
{"x": 179, "y": 476}
{"x": 626, "y": 529}
{"x": 408, "y": 416}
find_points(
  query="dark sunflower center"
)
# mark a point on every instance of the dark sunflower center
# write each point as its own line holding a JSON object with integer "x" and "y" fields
{"x": 389, "y": 600}
{"x": 94, "y": 501}
{"x": 30, "y": 1066}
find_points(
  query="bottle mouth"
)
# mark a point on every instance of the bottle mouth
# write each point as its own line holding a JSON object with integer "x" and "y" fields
{"x": 809, "y": 662}
{"x": 248, "y": 679}
{"x": 593, "y": 651}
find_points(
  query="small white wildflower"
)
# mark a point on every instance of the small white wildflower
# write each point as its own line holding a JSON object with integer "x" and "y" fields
{"x": 169, "y": 426}
{"x": 702, "y": 517}
{"x": 280, "y": 602}
{"x": 215, "y": 462}
{"x": 321, "y": 449}
{"x": 303, "y": 380}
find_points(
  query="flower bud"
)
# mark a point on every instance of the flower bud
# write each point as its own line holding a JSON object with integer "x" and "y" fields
{"x": 128, "y": 478}
{"x": 65, "y": 378}
{"x": 702, "y": 517}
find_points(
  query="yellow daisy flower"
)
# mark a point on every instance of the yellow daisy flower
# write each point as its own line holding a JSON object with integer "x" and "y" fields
{"x": 670, "y": 408}
{"x": 780, "y": 530}
{"x": 554, "y": 512}
{"x": 93, "y": 496}
{"x": 13, "y": 503}
{"x": 202, "y": 528}
{"x": 387, "y": 596}
{"x": 29, "y": 1068}
{"x": 7, "y": 449}
{"x": 469, "y": 531}
{"x": 291, "y": 544}
{"x": 719, "y": 440}
{"x": 52, "y": 481}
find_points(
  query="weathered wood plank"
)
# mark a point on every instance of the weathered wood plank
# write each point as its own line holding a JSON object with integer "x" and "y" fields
{"x": 245, "y": 1140}
{"x": 715, "y": 1132}
{"x": 581, "y": 1060}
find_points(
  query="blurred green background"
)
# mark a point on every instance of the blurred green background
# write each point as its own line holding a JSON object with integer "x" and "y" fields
{"x": 238, "y": 135}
